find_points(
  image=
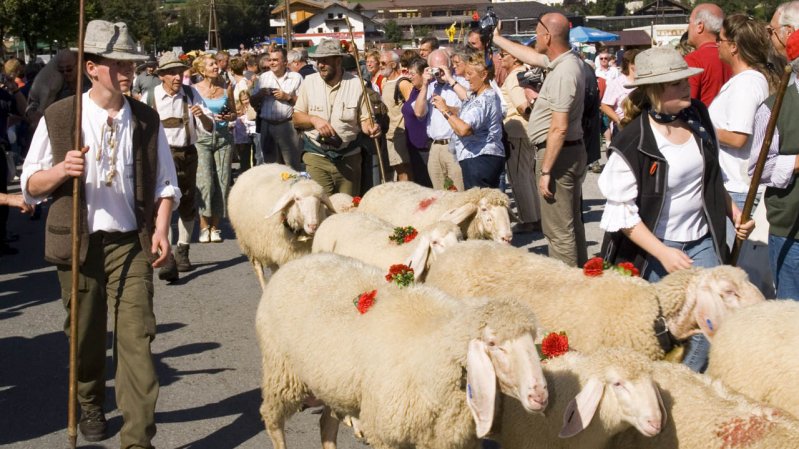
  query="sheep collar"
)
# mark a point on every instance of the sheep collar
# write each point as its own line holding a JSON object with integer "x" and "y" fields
{"x": 664, "y": 336}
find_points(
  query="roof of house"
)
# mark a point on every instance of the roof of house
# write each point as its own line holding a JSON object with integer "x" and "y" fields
{"x": 663, "y": 7}
{"x": 311, "y": 4}
{"x": 405, "y": 4}
{"x": 511, "y": 10}
{"x": 631, "y": 38}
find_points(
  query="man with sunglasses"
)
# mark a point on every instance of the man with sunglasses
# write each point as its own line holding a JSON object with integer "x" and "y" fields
{"x": 704, "y": 26}
{"x": 556, "y": 132}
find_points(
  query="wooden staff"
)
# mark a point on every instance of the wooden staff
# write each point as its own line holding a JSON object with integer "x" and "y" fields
{"x": 368, "y": 102}
{"x": 72, "y": 405}
{"x": 761, "y": 160}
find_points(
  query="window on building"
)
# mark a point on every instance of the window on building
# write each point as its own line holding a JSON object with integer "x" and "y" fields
{"x": 335, "y": 29}
{"x": 340, "y": 15}
{"x": 319, "y": 30}
{"x": 330, "y": 15}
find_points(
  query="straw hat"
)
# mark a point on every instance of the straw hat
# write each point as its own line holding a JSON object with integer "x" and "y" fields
{"x": 325, "y": 48}
{"x": 660, "y": 65}
{"x": 169, "y": 60}
{"x": 111, "y": 40}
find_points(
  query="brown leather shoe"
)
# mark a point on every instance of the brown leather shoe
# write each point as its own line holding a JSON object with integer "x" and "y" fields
{"x": 92, "y": 425}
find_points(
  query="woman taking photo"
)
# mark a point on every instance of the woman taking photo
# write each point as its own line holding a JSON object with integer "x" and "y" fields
{"x": 666, "y": 204}
{"x": 213, "y": 150}
{"x": 744, "y": 45}
{"x": 415, "y": 127}
{"x": 478, "y": 128}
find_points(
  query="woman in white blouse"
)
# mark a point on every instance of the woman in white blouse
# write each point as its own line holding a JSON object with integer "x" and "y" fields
{"x": 667, "y": 206}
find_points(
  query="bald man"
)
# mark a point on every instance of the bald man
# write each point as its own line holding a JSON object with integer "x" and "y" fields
{"x": 556, "y": 132}
{"x": 704, "y": 27}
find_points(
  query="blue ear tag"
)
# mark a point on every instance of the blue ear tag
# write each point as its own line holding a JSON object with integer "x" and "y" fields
{"x": 469, "y": 391}
{"x": 709, "y": 323}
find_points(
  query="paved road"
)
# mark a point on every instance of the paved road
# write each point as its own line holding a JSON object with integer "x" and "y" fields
{"x": 206, "y": 353}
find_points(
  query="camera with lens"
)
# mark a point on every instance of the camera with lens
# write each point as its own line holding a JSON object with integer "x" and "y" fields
{"x": 333, "y": 141}
{"x": 532, "y": 78}
{"x": 437, "y": 72}
{"x": 487, "y": 25}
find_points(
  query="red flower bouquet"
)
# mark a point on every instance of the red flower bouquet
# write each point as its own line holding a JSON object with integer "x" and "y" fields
{"x": 627, "y": 268}
{"x": 403, "y": 235}
{"x": 365, "y": 301}
{"x": 356, "y": 200}
{"x": 594, "y": 267}
{"x": 554, "y": 345}
{"x": 400, "y": 274}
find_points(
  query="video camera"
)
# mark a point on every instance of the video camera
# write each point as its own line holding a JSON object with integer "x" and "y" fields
{"x": 488, "y": 23}
{"x": 532, "y": 78}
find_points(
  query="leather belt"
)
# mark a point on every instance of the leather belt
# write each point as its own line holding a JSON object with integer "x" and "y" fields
{"x": 440, "y": 141}
{"x": 173, "y": 122}
{"x": 186, "y": 148}
{"x": 566, "y": 143}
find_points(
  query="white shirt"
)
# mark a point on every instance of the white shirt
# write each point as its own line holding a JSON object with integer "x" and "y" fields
{"x": 110, "y": 207}
{"x": 608, "y": 74}
{"x": 734, "y": 110}
{"x": 779, "y": 168}
{"x": 272, "y": 109}
{"x": 682, "y": 218}
{"x": 172, "y": 106}
{"x": 438, "y": 128}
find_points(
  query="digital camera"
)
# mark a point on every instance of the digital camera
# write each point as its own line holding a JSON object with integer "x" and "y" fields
{"x": 437, "y": 72}
{"x": 532, "y": 78}
{"x": 333, "y": 141}
{"x": 487, "y": 25}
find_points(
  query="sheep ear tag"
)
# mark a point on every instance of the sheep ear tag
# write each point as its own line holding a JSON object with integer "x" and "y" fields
{"x": 581, "y": 409}
{"x": 481, "y": 386}
{"x": 708, "y": 312}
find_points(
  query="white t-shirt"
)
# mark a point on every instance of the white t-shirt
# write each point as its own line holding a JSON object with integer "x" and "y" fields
{"x": 734, "y": 110}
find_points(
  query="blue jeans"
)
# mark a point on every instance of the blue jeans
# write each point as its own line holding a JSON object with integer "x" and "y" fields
{"x": 783, "y": 254}
{"x": 704, "y": 255}
{"x": 482, "y": 171}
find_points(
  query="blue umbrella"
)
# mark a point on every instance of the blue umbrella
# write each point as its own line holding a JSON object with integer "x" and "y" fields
{"x": 587, "y": 34}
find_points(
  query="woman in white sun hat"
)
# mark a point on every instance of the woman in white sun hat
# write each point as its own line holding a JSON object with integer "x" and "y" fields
{"x": 666, "y": 203}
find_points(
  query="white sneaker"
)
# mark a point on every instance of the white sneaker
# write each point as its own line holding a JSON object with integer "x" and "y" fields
{"x": 205, "y": 235}
{"x": 216, "y": 235}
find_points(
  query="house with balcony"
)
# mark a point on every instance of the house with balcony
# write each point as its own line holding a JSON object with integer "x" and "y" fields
{"x": 313, "y": 20}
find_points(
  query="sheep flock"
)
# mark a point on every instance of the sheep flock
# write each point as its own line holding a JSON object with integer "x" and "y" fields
{"x": 407, "y": 314}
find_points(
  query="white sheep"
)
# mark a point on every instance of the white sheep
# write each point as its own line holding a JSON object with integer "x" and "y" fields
{"x": 366, "y": 238}
{"x": 419, "y": 369}
{"x": 705, "y": 415}
{"x": 593, "y": 397}
{"x": 605, "y": 311}
{"x": 342, "y": 202}
{"x": 407, "y": 203}
{"x": 275, "y": 213}
{"x": 755, "y": 353}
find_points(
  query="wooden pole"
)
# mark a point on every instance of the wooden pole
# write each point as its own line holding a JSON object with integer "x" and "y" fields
{"x": 289, "y": 24}
{"x": 761, "y": 160}
{"x": 368, "y": 101}
{"x": 72, "y": 405}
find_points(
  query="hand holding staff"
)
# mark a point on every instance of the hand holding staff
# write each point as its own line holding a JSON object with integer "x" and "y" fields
{"x": 368, "y": 102}
{"x": 761, "y": 160}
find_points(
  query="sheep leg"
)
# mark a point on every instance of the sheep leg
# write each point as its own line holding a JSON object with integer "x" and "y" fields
{"x": 328, "y": 428}
{"x": 276, "y": 433}
{"x": 259, "y": 272}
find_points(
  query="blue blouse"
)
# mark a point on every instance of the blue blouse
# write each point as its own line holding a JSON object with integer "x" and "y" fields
{"x": 484, "y": 114}
{"x": 215, "y": 105}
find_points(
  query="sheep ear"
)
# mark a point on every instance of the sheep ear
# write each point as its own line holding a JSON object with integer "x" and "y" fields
{"x": 329, "y": 204}
{"x": 481, "y": 386}
{"x": 459, "y": 214}
{"x": 282, "y": 203}
{"x": 418, "y": 259}
{"x": 581, "y": 409}
{"x": 708, "y": 309}
{"x": 664, "y": 414}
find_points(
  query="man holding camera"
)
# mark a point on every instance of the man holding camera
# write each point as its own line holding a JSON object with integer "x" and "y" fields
{"x": 480, "y": 38}
{"x": 276, "y": 90}
{"x": 438, "y": 82}
{"x": 556, "y": 132}
{"x": 331, "y": 108}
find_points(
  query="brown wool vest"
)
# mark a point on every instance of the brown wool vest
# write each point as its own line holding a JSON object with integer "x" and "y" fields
{"x": 60, "y": 119}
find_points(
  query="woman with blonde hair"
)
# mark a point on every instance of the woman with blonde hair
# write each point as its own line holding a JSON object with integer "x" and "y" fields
{"x": 666, "y": 204}
{"x": 213, "y": 150}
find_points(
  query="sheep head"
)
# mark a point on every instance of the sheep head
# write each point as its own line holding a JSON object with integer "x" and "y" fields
{"x": 710, "y": 295}
{"x": 491, "y": 221}
{"x": 342, "y": 202}
{"x": 621, "y": 390}
{"x": 303, "y": 206}
{"x": 432, "y": 242}
{"x": 509, "y": 360}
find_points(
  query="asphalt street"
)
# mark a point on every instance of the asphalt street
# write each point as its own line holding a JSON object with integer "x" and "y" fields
{"x": 205, "y": 352}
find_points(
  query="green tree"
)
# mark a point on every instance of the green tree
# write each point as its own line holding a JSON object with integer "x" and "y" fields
{"x": 392, "y": 32}
{"x": 36, "y": 21}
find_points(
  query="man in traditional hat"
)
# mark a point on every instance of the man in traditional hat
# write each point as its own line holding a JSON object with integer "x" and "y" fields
{"x": 331, "y": 108}
{"x": 182, "y": 110}
{"x": 129, "y": 190}
{"x": 146, "y": 78}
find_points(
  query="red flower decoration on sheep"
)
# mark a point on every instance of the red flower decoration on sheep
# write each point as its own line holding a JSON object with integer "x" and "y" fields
{"x": 554, "y": 345}
{"x": 403, "y": 235}
{"x": 400, "y": 274}
{"x": 365, "y": 301}
{"x": 594, "y": 267}
{"x": 356, "y": 200}
{"x": 449, "y": 184}
{"x": 628, "y": 269}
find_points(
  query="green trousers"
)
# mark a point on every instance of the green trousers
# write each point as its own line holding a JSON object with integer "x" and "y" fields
{"x": 340, "y": 176}
{"x": 116, "y": 278}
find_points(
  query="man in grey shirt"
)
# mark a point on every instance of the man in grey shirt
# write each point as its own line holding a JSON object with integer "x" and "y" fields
{"x": 556, "y": 132}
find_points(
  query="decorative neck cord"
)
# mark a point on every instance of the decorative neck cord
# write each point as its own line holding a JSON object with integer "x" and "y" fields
{"x": 687, "y": 115}
{"x": 110, "y": 141}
